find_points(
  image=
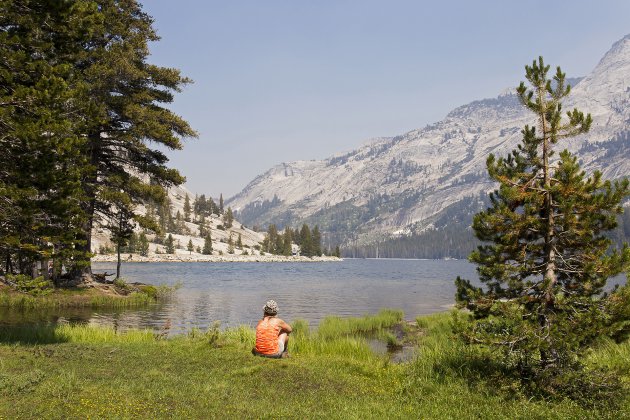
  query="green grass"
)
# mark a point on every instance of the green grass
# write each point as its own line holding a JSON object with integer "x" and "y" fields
{"x": 83, "y": 371}
{"x": 84, "y": 298}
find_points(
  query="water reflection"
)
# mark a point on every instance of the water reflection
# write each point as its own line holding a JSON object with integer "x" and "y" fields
{"x": 234, "y": 293}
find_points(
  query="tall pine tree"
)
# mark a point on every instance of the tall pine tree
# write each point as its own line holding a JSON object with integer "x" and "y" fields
{"x": 545, "y": 258}
{"x": 41, "y": 164}
{"x": 126, "y": 113}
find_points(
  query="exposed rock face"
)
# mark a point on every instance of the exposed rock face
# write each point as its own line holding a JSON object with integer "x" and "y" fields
{"x": 400, "y": 185}
{"x": 220, "y": 236}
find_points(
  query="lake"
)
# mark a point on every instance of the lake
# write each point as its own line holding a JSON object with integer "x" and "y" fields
{"x": 234, "y": 293}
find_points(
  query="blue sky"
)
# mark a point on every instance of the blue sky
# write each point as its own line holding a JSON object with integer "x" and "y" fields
{"x": 276, "y": 81}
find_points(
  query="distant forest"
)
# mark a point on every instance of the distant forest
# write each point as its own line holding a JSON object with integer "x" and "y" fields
{"x": 452, "y": 241}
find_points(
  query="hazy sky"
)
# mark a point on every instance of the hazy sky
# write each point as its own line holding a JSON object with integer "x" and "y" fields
{"x": 276, "y": 81}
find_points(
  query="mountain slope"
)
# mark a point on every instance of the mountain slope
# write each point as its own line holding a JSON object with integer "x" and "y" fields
{"x": 190, "y": 232}
{"x": 401, "y": 186}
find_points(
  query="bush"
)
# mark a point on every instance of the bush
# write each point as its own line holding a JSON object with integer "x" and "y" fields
{"x": 122, "y": 285}
{"x": 33, "y": 286}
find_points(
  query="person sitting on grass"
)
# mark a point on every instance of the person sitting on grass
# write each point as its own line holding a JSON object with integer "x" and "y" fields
{"x": 272, "y": 333}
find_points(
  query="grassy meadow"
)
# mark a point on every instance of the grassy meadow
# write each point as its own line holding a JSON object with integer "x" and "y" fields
{"x": 77, "y": 371}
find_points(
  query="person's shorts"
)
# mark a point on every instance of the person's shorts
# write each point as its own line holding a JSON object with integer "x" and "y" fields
{"x": 277, "y": 355}
{"x": 280, "y": 346}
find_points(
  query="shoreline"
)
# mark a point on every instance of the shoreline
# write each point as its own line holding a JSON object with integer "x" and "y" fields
{"x": 137, "y": 258}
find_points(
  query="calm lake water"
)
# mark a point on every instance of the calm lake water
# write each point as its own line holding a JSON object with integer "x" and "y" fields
{"x": 234, "y": 293}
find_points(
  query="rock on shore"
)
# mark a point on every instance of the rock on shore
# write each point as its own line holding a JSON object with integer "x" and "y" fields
{"x": 210, "y": 258}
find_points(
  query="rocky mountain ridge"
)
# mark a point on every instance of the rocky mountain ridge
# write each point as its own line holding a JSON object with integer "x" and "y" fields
{"x": 401, "y": 186}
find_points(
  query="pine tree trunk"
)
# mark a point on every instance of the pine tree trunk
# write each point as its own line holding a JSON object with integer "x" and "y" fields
{"x": 547, "y": 358}
{"x": 45, "y": 272}
{"x": 9, "y": 268}
{"x": 82, "y": 273}
{"x": 118, "y": 264}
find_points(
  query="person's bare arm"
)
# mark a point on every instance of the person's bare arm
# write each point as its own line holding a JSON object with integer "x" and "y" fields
{"x": 284, "y": 327}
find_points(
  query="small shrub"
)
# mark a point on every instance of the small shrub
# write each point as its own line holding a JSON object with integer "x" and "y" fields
{"x": 150, "y": 291}
{"x": 33, "y": 286}
{"x": 164, "y": 292}
{"x": 122, "y": 285}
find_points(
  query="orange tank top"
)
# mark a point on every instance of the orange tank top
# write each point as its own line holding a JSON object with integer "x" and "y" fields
{"x": 267, "y": 337}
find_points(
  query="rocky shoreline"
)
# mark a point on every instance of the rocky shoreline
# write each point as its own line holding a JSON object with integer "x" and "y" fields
{"x": 136, "y": 258}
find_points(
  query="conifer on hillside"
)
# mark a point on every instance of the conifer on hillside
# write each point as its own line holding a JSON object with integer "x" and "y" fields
{"x": 187, "y": 208}
{"x": 230, "y": 243}
{"x": 207, "y": 244}
{"x": 228, "y": 218}
{"x": 169, "y": 243}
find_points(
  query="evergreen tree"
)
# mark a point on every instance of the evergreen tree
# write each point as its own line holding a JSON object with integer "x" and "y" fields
{"x": 337, "y": 252}
{"x": 41, "y": 164}
{"x": 239, "y": 242}
{"x": 202, "y": 225}
{"x": 230, "y": 249}
{"x": 187, "y": 208}
{"x": 212, "y": 207}
{"x": 124, "y": 113}
{"x": 287, "y": 242}
{"x": 143, "y": 245}
{"x": 278, "y": 247}
{"x": 170, "y": 244}
{"x": 545, "y": 259}
{"x": 164, "y": 216}
{"x": 221, "y": 203}
{"x": 195, "y": 208}
{"x": 228, "y": 218}
{"x": 121, "y": 233}
{"x": 271, "y": 240}
{"x": 190, "y": 246}
{"x": 306, "y": 246}
{"x": 200, "y": 204}
{"x": 316, "y": 241}
{"x": 132, "y": 244}
{"x": 207, "y": 244}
